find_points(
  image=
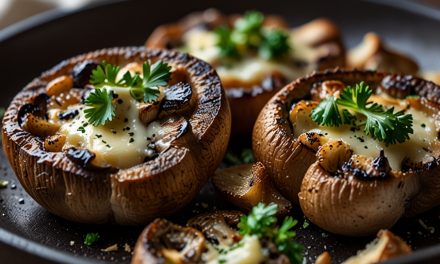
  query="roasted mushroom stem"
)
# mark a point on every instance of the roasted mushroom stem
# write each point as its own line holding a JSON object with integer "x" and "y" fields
{"x": 372, "y": 54}
{"x": 247, "y": 185}
{"x": 163, "y": 241}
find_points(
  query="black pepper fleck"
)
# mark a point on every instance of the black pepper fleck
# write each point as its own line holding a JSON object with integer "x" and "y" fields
{"x": 131, "y": 140}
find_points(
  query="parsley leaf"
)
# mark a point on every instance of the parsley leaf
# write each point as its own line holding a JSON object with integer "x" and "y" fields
{"x": 91, "y": 238}
{"x": 249, "y": 36}
{"x": 100, "y": 108}
{"x": 142, "y": 88}
{"x": 105, "y": 74}
{"x": 261, "y": 222}
{"x": 383, "y": 125}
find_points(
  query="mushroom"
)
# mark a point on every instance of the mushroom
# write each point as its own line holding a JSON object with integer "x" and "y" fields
{"x": 321, "y": 49}
{"x": 386, "y": 246}
{"x": 372, "y": 54}
{"x": 219, "y": 227}
{"x": 165, "y": 242}
{"x": 340, "y": 190}
{"x": 186, "y": 147}
{"x": 247, "y": 185}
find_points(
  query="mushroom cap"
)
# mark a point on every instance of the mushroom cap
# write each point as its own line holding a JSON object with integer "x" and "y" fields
{"x": 294, "y": 166}
{"x": 165, "y": 242}
{"x": 137, "y": 195}
{"x": 247, "y": 101}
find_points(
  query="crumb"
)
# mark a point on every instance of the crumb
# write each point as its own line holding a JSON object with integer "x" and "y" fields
{"x": 110, "y": 248}
{"x": 127, "y": 248}
{"x": 71, "y": 243}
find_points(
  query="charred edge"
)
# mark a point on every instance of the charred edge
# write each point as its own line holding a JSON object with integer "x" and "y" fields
{"x": 400, "y": 86}
{"x": 69, "y": 114}
{"x": 38, "y": 108}
{"x": 82, "y": 71}
{"x": 82, "y": 157}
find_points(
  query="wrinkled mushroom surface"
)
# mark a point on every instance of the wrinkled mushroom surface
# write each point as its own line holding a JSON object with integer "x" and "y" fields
{"x": 345, "y": 185}
{"x": 76, "y": 184}
{"x": 250, "y": 82}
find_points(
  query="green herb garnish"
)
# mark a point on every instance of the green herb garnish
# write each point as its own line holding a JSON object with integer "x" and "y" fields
{"x": 249, "y": 35}
{"x": 91, "y": 238}
{"x": 381, "y": 124}
{"x": 100, "y": 108}
{"x": 261, "y": 222}
{"x": 100, "y": 102}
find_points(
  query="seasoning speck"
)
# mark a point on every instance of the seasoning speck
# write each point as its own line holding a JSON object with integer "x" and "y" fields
{"x": 21, "y": 201}
{"x": 131, "y": 140}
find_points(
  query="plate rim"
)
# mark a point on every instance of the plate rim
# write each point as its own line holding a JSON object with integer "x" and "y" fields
{"x": 54, "y": 255}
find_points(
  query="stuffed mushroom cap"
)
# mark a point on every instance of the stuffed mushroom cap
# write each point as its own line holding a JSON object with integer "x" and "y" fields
{"x": 192, "y": 123}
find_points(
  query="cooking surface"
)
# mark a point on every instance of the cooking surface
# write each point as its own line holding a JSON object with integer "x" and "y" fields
{"x": 25, "y": 55}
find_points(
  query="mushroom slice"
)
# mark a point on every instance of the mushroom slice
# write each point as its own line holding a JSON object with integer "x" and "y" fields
{"x": 165, "y": 242}
{"x": 324, "y": 258}
{"x": 384, "y": 247}
{"x": 247, "y": 185}
{"x": 219, "y": 227}
{"x": 372, "y": 54}
{"x": 326, "y": 89}
{"x": 38, "y": 126}
{"x": 177, "y": 98}
{"x": 148, "y": 112}
{"x": 333, "y": 154}
{"x": 54, "y": 143}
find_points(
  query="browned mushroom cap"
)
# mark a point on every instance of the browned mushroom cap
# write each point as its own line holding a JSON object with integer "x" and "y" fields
{"x": 165, "y": 242}
{"x": 247, "y": 185}
{"x": 340, "y": 195}
{"x": 384, "y": 247}
{"x": 372, "y": 54}
{"x": 247, "y": 98}
{"x": 136, "y": 195}
{"x": 219, "y": 227}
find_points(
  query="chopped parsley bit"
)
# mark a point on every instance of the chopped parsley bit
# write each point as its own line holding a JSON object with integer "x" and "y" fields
{"x": 90, "y": 239}
{"x": 423, "y": 125}
{"x": 365, "y": 147}
{"x": 131, "y": 140}
{"x": 3, "y": 183}
{"x": 81, "y": 129}
{"x": 98, "y": 136}
{"x": 261, "y": 222}
{"x": 306, "y": 224}
{"x": 131, "y": 134}
{"x": 103, "y": 141}
{"x": 108, "y": 146}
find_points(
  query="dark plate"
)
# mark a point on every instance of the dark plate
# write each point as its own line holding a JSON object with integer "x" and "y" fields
{"x": 29, "y": 234}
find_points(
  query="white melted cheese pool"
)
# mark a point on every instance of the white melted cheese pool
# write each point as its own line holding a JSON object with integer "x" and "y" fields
{"x": 416, "y": 148}
{"x": 249, "y": 251}
{"x": 121, "y": 143}
{"x": 202, "y": 44}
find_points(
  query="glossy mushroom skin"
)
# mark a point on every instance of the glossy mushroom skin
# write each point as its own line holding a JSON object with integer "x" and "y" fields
{"x": 247, "y": 100}
{"x": 158, "y": 187}
{"x": 344, "y": 204}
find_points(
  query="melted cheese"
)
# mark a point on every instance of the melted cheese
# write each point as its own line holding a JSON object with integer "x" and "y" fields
{"x": 249, "y": 252}
{"x": 416, "y": 148}
{"x": 252, "y": 70}
{"x": 120, "y": 143}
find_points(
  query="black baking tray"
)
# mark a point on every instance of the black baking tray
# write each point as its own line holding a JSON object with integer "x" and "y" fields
{"x": 29, "y": 234}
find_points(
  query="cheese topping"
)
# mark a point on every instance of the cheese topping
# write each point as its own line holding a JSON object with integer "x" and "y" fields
{"x": 247, "y": 251}
{"x": 417, "y": 149}
{"x": 121, "y": 143}
{"x": 252, "y": 70}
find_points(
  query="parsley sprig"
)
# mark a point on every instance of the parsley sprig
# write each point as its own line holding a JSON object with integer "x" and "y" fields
{"x": 249, "y": 35}
{"x": 91, "y": 238}
{"x": 262, "y": 222}
{"x": 381, "y": 124}
{"x": 100, "y": 103}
